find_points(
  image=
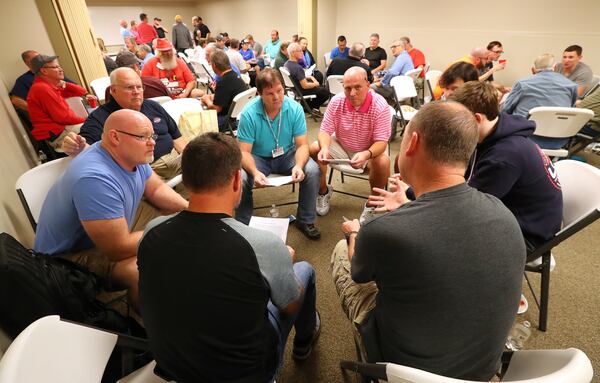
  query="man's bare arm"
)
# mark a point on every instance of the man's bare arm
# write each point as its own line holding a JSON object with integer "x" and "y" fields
{"x": 19, "y": 103}
{"x": 179, "y": 144}
{"x": 113, "y": 238}
{"x": 161, "y": 196}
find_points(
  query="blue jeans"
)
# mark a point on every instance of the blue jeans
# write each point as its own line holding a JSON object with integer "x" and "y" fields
{"x": 304, "y": 320}
{"x": 309, "y": 186}
{"x": 549, "y": 143}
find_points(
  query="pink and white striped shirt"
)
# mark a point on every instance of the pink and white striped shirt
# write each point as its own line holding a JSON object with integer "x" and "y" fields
{"x": 357, "y": 129}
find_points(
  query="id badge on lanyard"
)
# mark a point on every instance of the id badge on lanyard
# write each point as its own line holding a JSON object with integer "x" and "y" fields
{"x": 278, "y": 151}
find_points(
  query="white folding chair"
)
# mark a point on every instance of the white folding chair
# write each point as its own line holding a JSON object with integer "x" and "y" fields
{"x": 236, "y": 107}
{"x": 33, "y": 185}
{"x": 183, "y": 57}
{"x": 404, "y": 90}
{"x": 189, "y": 52}
{"x": 527, "y": 366}
{"x": 295, "y": 92}
{"x": 431, "y": 79}
{"x": 558, "y": 122}
{"x": 175, "y": 108}
{"x": 99, "y": 86}
{"x": 327, "y": 59}
{"x": 580, "y": 184}
{"x": 51, "y": 351}
{"x": 413, "y": 73}
{"x": 143, "y": 375}
{"x": 77, "y": 106}
{"x": 161, "y": 99}
{"x": 335, "y": 84}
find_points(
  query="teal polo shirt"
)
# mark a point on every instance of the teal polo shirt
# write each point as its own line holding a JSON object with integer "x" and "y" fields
{"x": 254, "y": 126}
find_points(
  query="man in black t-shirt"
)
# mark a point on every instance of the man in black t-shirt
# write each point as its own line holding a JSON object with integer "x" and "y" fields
{"x": 229, "y": 85}
{"x": 340, "y": 65}
{"x": 219, "y": 297}
{"x": 376, "y": 54}
{"x": 435, "y": 283}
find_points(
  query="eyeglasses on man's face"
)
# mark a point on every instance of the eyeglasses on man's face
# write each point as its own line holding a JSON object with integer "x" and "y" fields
{"x": 138, "y": 137}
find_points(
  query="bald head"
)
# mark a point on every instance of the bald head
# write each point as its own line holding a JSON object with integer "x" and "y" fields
{"x": 123, "y": 23}
{"x": 124, "y": 119}
{"x": 355, "y": 73}
{"x": 27, "y": 56}
{"x": 129, "y": 138}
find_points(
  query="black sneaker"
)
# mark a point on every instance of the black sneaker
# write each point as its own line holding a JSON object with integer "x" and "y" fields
{"x": 302, "y": 352}
{"x": 309, "y": 229}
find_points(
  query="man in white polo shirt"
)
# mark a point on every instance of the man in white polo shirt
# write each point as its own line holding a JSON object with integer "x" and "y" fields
{"x": 357, "y": 127}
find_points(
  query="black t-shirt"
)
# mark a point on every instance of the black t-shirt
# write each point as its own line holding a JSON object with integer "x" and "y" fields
{"x": 204, "y": 301}
{"x": 203, "y": 30}
{"x": 340, "y": 65}
{"x": 229, "y": 86}
{"x": 375, "y": 56}
{"x": 160, "y": 31}
{"x": 449, "y": 268}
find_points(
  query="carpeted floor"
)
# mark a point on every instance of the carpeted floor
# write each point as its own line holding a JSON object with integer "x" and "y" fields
{"x": 574, "y": 286}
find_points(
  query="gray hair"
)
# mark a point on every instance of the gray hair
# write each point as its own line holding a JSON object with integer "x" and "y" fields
{"x": 293, "y": 47}
{"x": 144, "y": 47}
{"x": 220, "y": 60}
{"x": 544, "y": 62}
{"x": 375, "y": 35}
{"x": 115, "y": 73}
{"x": 357, "y": 50}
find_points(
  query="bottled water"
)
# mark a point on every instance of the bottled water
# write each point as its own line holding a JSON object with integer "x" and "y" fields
{"x": 518, "y": 335}
{"x": 274, "y": 211}
{"x": 42, "y": 157}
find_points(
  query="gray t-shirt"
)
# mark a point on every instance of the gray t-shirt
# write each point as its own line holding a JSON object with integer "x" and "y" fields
{"x": 449, "y": 268}
{"x": 582, "y": 75}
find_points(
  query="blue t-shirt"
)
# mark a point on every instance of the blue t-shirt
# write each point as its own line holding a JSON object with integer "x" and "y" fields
{"x": 254, "y": 126}
{"x": 335, "y": 52}
{"x": 247, "y": 55}
{"x": 93, "y": 187}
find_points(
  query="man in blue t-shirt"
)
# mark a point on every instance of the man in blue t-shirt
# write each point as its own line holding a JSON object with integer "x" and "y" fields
{"x": 341, "y": 50}
{"x": 273, "y": 139}
{"x": 87, "y": 215}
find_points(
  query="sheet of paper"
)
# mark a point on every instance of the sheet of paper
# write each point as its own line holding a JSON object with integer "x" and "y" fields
{"x": 278, "y": 180}
{"x": 338, "y": 161}
{"x": 277, "y": 226}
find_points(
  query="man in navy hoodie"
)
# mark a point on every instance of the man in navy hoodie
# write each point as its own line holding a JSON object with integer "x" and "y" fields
{"x": 511, "y": 167}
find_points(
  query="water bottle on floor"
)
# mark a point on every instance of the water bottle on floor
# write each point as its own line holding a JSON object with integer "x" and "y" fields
{"x": 518, "y": 335}
{"x": 274, "y": 211}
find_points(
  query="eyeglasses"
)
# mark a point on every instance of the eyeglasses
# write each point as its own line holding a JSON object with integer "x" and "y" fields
{"x": 394, "y": 46}
{"x": 138, "y": 137}
{"x": 52, "y": 67}
{"x": 499, "y": 52}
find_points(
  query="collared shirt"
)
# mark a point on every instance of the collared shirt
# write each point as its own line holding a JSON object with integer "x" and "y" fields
{"x": 162, "y": 124}
{"x": 356, "y": 129}
{"x": 271, "y": 48}
{"x": 401, "y": 65}
{"x": 545, "y": 88}
{"x": 418, "y": 58}
{"x": 175, "y": 79}
{"x": 149, "y": 55}
{"x": 254, "y": 126}
{"x": 48, "y": 110}
{"x": 24, "y": 83}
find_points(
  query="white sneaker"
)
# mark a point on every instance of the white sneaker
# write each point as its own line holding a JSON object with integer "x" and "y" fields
{"x": 323, "y": 201}
{"x": 367, "y": 214}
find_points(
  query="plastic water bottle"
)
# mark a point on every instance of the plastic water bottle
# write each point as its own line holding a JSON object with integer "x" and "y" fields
{"x": 274, "y": 211}
{"x": 42, "y": 157}
{"x": 518, "y": 336}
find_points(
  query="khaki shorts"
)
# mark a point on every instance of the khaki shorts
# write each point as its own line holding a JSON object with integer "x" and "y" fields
{"x": 167, "y": 166}
{"x": 337, "y": 152}
{"x": 96, "y": 262}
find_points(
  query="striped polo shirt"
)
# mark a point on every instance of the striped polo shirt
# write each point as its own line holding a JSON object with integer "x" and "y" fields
{"x": 356, "y": 129}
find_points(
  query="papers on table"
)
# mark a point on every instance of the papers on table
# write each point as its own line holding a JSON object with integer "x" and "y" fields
{"x": 278, "y": 180}
{"x": 338, "y": 161}
{"x": 277, "y": 226}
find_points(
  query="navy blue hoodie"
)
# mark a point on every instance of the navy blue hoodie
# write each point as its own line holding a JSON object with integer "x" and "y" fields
{"x": 512, "y": 168}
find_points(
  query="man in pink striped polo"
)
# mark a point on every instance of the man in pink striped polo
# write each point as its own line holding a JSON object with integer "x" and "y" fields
{"x": 356, "y": 127}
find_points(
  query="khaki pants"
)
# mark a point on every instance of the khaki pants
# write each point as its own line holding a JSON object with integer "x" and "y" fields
{"x": 167, "y": 166}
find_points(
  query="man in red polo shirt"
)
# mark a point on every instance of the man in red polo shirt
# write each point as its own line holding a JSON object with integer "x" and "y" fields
{"x": 146, "y": 32}
{"x": 356, "y": 128}
{"x": 51, "y": 117}
{"x": 172, "y": 71}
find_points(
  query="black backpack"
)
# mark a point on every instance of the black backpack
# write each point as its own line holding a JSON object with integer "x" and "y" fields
{"x": 34, "y": 285}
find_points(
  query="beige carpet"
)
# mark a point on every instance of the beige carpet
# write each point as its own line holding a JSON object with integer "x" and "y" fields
{"x": 574, "y": 287}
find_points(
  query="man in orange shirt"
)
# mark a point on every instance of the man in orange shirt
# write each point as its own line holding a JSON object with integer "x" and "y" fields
{"x": 172, "y": 71}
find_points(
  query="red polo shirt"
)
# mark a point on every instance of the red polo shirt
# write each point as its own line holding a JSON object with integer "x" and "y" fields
{"x": 147, "y": 33}
{"x": 48, "y": 110}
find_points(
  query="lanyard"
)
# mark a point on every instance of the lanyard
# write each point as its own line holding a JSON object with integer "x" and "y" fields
{"x": 278, "y": 127}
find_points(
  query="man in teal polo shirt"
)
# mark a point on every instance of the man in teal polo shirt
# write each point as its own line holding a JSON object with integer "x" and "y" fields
{"x": 273, "y": 139}
{"x": 272, "y": 46}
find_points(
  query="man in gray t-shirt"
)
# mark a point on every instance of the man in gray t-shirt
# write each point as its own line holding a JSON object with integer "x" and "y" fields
{"x": 435, "y": 283}
{"x": 220, "y": 298}
{"x": 575, "y": 70}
